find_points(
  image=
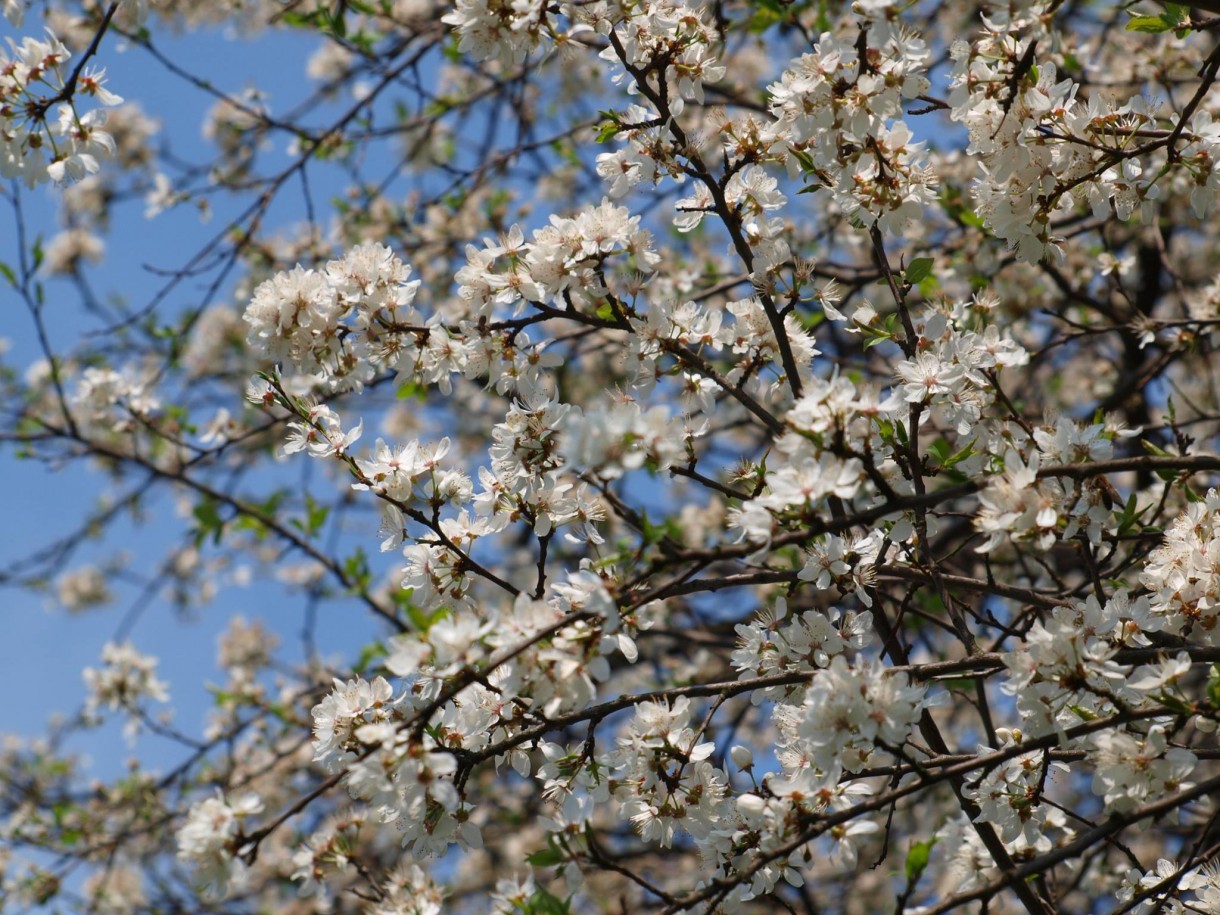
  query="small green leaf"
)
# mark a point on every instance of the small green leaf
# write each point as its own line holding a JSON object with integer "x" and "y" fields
{"x": 1178, "y": 705}
{"x": 545, "y": 903}
{"x": 1176, "y": 13}
{"x": 370, "y": 653}
{"x": 609, "y": 126}
{"x": 959, "y": 456}
{"x": 315, "y": 515}
{"x": 1213, "y": 686}
{"x": 356, "y": 568}
{"x": 805, "y": 159}
{"x": 548, "y": 857}
{"x": 1083, "y": 713}
{"x": 941, "y": 450}
{"x": 919, "y": 270}
{"x": 300, "y": 20}
{"x": 411, "y": 389}
{"x": 1152, "y": 24}
{"x": 207, "y": 514}
{"x": 338, "y": 23}
{"x": 917, "y": 859}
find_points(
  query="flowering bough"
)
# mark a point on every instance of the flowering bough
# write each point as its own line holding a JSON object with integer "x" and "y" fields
{"x": 794, "y": 486}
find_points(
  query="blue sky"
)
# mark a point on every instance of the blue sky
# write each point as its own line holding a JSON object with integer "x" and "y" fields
{"x": 44, "y": 649}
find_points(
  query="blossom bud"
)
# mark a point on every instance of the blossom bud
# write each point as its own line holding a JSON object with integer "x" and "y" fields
{"x": 742, "y": 758}
{"x": 751, "y": 807}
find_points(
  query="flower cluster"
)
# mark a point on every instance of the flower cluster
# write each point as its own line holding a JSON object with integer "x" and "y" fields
{"x": 1007, "y": 797}
{"x": 665, "y": 782}
{"x": 338, "y": 323}
{"x": 774, "y": 644}
{"x": 43, "y": 136}
{"x": 502, "y": 30}
{"x": 1023, "y": 117}
{"x": 838, "y": 115}
{"x": 853, "y": 713}
{"x": 126, "y": 679}
{"x": 1182, "y": 574}
{"x": 665, "y": 41}
{"x": 210, "y": 837}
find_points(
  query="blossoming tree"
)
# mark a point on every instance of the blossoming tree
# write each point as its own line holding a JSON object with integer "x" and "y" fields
{"x": 768, "y": 445}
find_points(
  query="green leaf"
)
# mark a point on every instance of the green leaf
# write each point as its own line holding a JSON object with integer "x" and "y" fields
{"x": 971, "y": 218}
{"x": 609, "y": 126}
{"x": 805, "y": 159}
{"x": 207, "y": 514}
{"x": 957, "y": 457}
{"x": 412, "y": 389}
{"x": 823, "y": 22}
{"x": 652, "y": 533}
{"x": 421, "y": 619}
{"x": 1176, "y": 12}
{"x": 356, "y": 568}
{"x": 1213, "y": 686}
{"x": 546, "y": 903}
{"x": 7, "y": 271}
{"x": 300, "y": 20}
{"x": 1152, "y": 24}
{"x": 919, "y": 270}
{"x": 371, "y": 652}
{"x": 1168, "y": 475}
{"x": 1178, "y": 705}
{"x": 763, "y": 18}
{"x": 810, "y": 320}
{"x": 876, "y": 335}
{"x": 315, "y": 515}
{"x": 548, "y": 857}
{"x": 338, "y": 23}
{"x": 917, "y": 859}
{"x": 941, "y": 450}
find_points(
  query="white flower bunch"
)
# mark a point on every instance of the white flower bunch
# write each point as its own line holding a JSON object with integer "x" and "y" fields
{"x": 43, "y": 136}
